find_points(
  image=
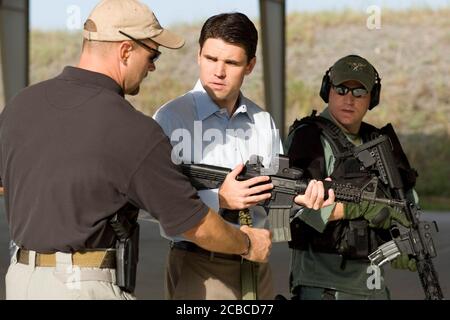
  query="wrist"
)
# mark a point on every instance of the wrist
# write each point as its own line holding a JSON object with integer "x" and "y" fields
{"x": 248, "y": 246}
{"x": 222, "y": 200}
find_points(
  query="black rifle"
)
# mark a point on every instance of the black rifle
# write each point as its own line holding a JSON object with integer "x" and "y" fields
{"x": 126, "y": 228}
{"x": 287, "y": 182}
{"x": 416, "y": 241}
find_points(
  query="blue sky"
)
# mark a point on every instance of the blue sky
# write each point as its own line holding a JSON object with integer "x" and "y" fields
{"x": 62, "y": 14}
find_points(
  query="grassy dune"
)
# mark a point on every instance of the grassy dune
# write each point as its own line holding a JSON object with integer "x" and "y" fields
{"x": 410, "y": 51}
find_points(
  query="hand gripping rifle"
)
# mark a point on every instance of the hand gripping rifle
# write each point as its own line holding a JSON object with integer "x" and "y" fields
{"x": 415, "y": 240}
{"x": 287, "y": 182}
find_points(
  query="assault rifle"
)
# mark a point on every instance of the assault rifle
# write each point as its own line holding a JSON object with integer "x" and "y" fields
{"x": 416, "y": 240}
{"x": 287, "y": 182}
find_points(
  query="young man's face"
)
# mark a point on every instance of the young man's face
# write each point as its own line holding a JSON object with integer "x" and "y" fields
{"x": 348, "y": 110}
{"x": 223, "y": 67}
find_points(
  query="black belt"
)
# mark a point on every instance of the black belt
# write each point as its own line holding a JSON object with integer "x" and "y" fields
{"x": 192, "y": 247}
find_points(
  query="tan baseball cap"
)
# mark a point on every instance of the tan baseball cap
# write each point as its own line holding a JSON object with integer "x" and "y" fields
{"x": 131, "y": 17}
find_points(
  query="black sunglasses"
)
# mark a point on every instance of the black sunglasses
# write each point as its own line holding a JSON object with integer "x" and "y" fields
{"x": 156, "y": 53}
{"x": 356, "y": 92}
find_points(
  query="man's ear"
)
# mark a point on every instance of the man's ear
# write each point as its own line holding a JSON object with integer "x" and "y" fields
{"x": 125, "y": 48}
{"x": 250, "y": 66}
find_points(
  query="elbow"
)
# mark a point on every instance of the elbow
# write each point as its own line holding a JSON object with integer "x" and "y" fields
{"x": 198, "y": 234}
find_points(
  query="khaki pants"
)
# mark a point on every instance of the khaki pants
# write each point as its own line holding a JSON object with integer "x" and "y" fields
{"x": 191, "y": 275}
{"x": 63, "y": 282}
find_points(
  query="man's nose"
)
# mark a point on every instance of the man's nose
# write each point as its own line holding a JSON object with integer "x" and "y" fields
{"x": 220, "y": 70}
{"x": 349, "y": 98}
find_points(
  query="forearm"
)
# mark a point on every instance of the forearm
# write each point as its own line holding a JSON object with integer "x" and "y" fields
{"x": 214, "y": 234}
{"x": 337, "y": 213}
{"x": 316, "y": 218}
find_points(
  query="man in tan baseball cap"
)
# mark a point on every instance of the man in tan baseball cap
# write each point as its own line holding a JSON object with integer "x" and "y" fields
{"x": 128, "y": 32}
{"x": 99, "y": 161}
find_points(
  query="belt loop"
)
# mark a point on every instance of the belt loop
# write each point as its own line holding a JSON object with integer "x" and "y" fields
{"x": 32, "y": 259}
{"x": 14, "y": 250}
{"x": 211, "y": 256}
{"x": 63, "y": 262}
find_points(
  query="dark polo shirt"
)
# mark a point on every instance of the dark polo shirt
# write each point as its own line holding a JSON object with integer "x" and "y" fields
{"x": 72, "y": 152}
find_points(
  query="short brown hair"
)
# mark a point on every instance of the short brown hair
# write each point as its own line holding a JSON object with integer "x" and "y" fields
{"x": 234, "y": 27}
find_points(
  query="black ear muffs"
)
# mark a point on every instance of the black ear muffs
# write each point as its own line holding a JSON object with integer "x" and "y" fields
{"x": 326, "y": 86}
{"x": 374, "y": 94}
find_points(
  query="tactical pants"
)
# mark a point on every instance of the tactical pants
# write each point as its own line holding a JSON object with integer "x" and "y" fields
{"x": 63, "y": 282}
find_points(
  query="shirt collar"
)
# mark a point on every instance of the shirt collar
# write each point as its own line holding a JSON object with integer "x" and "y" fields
{"x": 91, "y": 77}
{"x": 206, "y": 106}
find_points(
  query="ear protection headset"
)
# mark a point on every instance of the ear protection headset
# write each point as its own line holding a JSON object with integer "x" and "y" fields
{"x": 374, "y": 94}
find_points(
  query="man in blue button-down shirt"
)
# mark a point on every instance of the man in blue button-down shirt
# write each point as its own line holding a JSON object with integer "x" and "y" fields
{"x": 216, "y": 124}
